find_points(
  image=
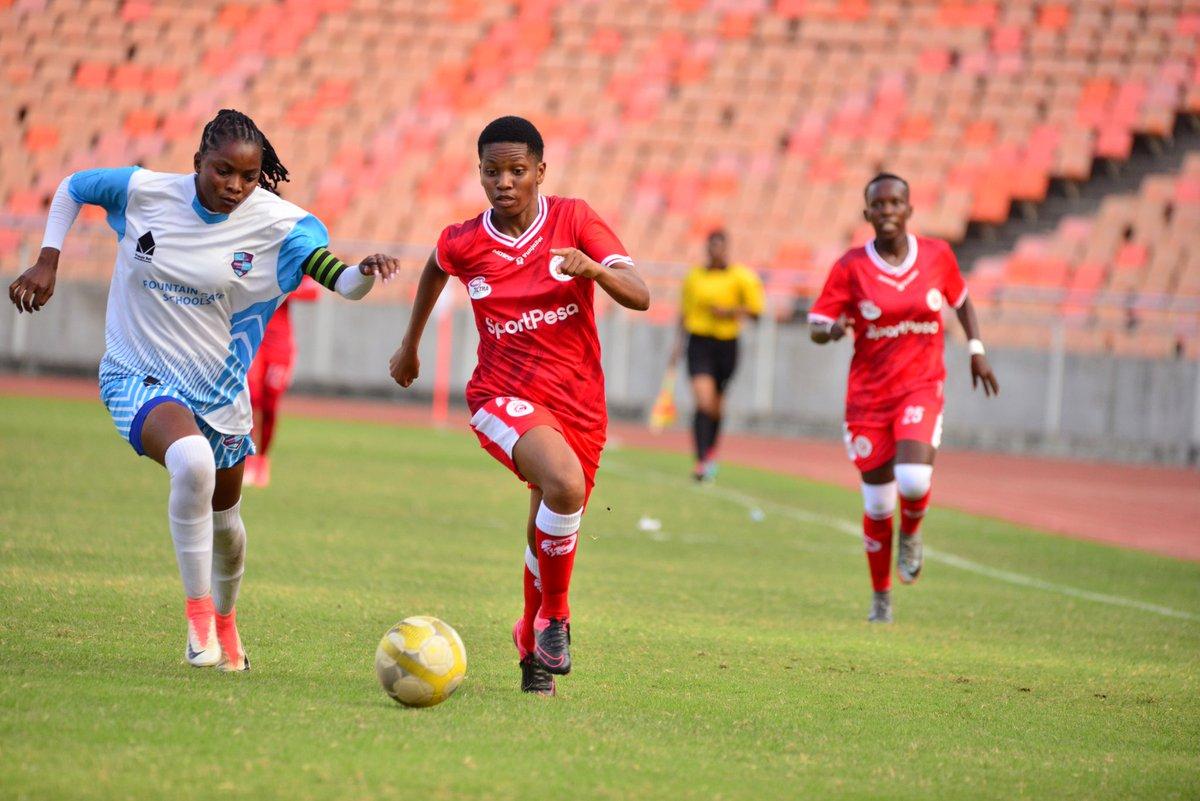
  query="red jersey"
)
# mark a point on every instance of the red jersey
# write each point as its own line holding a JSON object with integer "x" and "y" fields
{"x": 537, "y": 327}
{"x": 896, "y": 312}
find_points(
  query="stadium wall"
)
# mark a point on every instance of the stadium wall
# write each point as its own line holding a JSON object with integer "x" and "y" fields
{"x": 1052, "y": 402}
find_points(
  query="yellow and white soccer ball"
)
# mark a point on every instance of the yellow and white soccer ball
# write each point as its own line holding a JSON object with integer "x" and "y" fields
{"x": 420, "y": 661}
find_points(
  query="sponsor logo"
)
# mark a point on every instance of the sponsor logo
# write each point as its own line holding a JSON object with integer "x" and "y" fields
{"x": 242, "y": 262}
{"x": 231, "y": 440}
{"x": 478, "y": 288}
{"x": 520, "y": 259}
{"x": 144, "y": 250}
{"x": 555, "y": 273}
{"x": 934, "y": 299}
{"x": 862, "y": 446}
{"x": 530, "y": 320}
{"x": 518, "y": 408}
{"x": 869, "y": 310}
{"x": 559, "y": 546}
{"x": 182, "y": 294}
{"x": 901, "y": 328}
{"x": 872, "y": 546}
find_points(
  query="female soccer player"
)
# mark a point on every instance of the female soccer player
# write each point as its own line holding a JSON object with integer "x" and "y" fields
{"x": 269, "y": 377}
{"x": 203, "y": 260}
{"x": 892, "y": 292}
{"x": 715, "y": 298}
{"x": 530, "y": 265}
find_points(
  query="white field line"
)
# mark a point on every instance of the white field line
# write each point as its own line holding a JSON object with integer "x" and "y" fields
{"x": 750, "y": 502}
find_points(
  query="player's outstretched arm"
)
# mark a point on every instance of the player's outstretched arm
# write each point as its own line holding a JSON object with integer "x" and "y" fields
{"x": 620, "y": 281}
{"x": 404, "y": 364}
{"x": 34, "y": 287}
{"x": 352, "y": 283}
{"x": 981, "y": 371}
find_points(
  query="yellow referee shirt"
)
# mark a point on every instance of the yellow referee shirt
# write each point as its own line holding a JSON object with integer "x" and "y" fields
{"x": 735, "y": 287}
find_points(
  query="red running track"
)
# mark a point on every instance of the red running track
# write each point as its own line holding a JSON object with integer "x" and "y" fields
{"x": 1151, "y": 508}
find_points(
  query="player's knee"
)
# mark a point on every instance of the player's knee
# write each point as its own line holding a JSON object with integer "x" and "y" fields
{"x": 565, "y": 491}
{"x": 914, "y": 480}
{"x": 879, "y": 500}
{"x": 192, "y": 467}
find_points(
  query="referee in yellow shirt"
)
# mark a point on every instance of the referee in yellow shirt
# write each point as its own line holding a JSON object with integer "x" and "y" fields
{"x": 715, "y": 298}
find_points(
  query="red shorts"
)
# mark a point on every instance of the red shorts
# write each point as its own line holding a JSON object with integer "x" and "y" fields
{"x": 268, "y": 378}
{"x": 500, "y": 422}
{"x": 917, "y": 415}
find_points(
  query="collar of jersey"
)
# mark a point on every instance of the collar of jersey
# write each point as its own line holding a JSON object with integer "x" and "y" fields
{"x": 523, "y": 239}
{"x": 894, "y": 269}
{"x": 210, "y": 217}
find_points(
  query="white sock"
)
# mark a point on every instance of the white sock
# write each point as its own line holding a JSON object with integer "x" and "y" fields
{"x": 229, "y": 557}
{"x": 193, "y": 474}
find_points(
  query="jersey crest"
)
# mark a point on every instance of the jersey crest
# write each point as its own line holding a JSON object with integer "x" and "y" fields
{"x": 242, "y": 262}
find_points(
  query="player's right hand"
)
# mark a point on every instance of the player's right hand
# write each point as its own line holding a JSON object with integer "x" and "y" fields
{"x": 405, "y": 366}
{"x": 836, "y": 331}
{"x": 34, "y": 287}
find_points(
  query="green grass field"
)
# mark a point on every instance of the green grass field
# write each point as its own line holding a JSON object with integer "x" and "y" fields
{"x": 720, "y": 657}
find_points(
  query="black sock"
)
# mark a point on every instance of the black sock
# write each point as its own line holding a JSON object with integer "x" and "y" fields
{"x": 702, "y": 433}
{"x": 716, "y": 433}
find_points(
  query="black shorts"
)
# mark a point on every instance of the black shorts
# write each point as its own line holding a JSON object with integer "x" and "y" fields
{"x": 712, "y": 356}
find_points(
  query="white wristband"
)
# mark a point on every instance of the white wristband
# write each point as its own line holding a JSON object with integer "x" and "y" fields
{"x": 352, "y": 284}
{"x": 975, "y": 347}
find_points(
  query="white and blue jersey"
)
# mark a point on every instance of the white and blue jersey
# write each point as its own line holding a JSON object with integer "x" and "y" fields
{"x": 192, "y": 291}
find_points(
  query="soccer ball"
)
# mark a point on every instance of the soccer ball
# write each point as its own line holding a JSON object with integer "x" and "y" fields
{"x": 420, "y": 661}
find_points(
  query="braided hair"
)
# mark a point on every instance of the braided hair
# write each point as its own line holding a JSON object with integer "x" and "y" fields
{"x": 232, "y": 125}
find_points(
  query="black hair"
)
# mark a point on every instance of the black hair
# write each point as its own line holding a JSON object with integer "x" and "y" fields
{"x": 232, "y": 125}
{"x": 716, "y": 233}
{"x": 512, "y": 129}
{"x": 884, "y": 176}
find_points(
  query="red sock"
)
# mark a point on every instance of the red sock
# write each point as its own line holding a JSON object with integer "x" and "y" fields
{"x": 557, "y": 535}
{"x": 912, "y": 513}
{"x": 533, "y": 602}
{"x": 877, "y": 539}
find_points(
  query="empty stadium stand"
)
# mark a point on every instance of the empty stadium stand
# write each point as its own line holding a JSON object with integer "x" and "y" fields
{"x": 670, "y": 117}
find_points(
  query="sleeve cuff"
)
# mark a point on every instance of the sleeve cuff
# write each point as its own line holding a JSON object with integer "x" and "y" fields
{"x": 821, "y": 319}
{"x": 617, "y": 258}
{"x": 961, "y": 299}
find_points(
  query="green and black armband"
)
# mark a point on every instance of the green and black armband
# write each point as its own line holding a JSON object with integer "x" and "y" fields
{"x": 323, "y": 267}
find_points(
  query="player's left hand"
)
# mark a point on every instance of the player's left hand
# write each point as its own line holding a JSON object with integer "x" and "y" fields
{"x": 380, "y": 264}
{"x": 575, "y": 262}
{"x": 981, "y": 372}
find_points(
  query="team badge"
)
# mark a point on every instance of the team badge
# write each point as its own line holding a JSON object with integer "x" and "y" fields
{"x": 862, "y": 446}
{"x": 231, "y": 440}
{"x": 242, "y": 262}
{"x": 869, "y": 310}
{"x": 933, "y": 299}
{"x": 518, "y": 408}
{"x": 555, "y": 273}
{"x": 478, "y": 288}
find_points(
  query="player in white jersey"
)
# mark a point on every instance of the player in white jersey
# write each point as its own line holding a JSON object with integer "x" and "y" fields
{"x": 203, "y": 260}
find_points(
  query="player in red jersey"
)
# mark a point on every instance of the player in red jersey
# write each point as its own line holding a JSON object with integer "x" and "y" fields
{"x": 530, "y": 265}
{"x": 269, "y": 377}
{"x": 891, "y": 293}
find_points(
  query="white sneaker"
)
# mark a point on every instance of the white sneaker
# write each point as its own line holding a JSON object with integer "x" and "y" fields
{"x": 203, "y": 648}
